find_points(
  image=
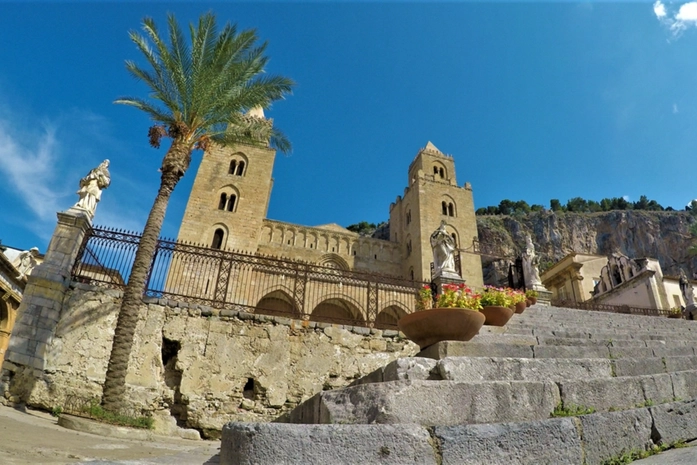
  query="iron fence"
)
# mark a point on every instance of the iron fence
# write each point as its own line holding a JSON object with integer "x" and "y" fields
{"x": 248, "y": 282}
{"x": 626, "y": 309}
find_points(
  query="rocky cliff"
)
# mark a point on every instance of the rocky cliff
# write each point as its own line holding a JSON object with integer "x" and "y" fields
{"x": 661, "y": 235}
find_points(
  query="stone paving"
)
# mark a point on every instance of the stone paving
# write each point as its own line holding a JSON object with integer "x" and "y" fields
{"x": 33, "y": 437}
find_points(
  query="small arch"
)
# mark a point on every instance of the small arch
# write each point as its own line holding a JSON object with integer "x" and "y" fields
{"x": 388, "y": 317}
{"x": 441, "y": 173}
{"x": 411, "y": 273}
{"x": 231, "y": 203}
{"x": 218, "y": 237}
{"x": 233, "y": 167}
{"x": 444, "y": 207}
{"x": 435, "y": 170}
{"x": 223, "y": 201}
{"x": 451, "y": 210}
{"x": 240, "y": 169}
{"x": 335, "y": 261}
{"x": 277, "y": 302}
{"x": 336, "y": 310}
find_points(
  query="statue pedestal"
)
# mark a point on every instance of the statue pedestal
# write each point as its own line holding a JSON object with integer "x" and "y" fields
{"x": 544, "y": 297}
{"x": 440, "y": 280}
{"x": 691, "y": 312}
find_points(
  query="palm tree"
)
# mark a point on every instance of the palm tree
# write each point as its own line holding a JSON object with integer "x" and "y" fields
{"x": 201, "y": 93}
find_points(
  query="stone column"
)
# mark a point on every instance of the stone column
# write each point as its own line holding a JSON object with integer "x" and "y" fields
{"x": 42, "y": 302}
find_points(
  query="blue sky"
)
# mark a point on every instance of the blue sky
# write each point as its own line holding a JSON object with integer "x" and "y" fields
{"x": 534, "y": 100}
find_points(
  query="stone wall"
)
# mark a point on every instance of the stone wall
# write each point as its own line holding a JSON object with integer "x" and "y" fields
{"x": 201, "y": 366}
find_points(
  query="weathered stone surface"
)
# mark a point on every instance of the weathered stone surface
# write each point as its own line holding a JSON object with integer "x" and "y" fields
{"x": 402, "y": 369}
{"x": 585, "y": 351}
{"x": 522, "y": 369}
{"x": 680, "y": 363}
{"x": 638, "y": 366}
{"x": 675, "y": 421}
{"x": 281, "y": 444}
{"x": 439, "y": 402}
{"x": 684, "y": 384}
{"x": 610, "y": 434}
{"x": 204, "y": 381}
{"x": 551, "y": 442}
{"x": 444, "y": 349}
{"x": 603, "y": 394}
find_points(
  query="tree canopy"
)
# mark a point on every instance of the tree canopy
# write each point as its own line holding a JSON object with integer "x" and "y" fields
{"x": 576, "y": 204}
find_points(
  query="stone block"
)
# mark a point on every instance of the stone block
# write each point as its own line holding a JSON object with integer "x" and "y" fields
{"x": 673, "y": 351}
{"x": 609, "y": 434}
{"x": 413, "y": 368}
{"x": 276, "y": 443}
{"x": 444, "y": 349}
{"x": 522, "y": 369}
{"x": 550, "y": 442}
{"x": 680, "y": 363}
{"x": 439, "y": 402}
{"x": 631, "y": 352}
{"x": 638, "y": 366}
{"x": 570, "y": 352}
{"x": 675, "y": 421}
{"x": 602, "y": 394}
{"x": 684, "y": 384}
{"x": 517, "y": 339}
{"x": 657, "y": 388}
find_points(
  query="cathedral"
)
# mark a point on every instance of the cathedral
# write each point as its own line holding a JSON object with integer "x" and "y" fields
{"x": 231, "y": 193}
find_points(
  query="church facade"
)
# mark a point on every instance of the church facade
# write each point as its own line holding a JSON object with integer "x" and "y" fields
{"x": 229, "y": 201}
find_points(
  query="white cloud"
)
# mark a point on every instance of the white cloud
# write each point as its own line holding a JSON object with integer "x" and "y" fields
{"x": 28, "y": 167}
{"x": 626, "y": 198}
{"x": 685, "y": 17}
{"x": 675, "y": 108}
{"x": 660, "y": 9}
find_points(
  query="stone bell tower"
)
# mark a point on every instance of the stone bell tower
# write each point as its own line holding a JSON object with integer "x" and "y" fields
{"x": 230, "y": 197}
{"x": 433, "y": 196}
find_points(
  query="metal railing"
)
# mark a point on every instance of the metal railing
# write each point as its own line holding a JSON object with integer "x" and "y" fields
{"x": 248, "y": 282}
{"x": 625, "y": 309}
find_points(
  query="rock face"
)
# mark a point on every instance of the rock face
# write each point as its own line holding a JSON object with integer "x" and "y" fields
{"x": 637, "y": 234}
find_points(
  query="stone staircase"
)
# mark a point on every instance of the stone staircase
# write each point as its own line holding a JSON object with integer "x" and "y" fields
{"x": 498, "y": 398}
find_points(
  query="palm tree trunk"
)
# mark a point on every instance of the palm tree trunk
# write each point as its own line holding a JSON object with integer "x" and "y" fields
{"x": 174, "y": 166}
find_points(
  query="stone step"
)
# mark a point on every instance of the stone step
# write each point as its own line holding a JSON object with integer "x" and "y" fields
{"x": 519, "y": 339}
{"x": 474, "y": 348}
{"x": 473, "y": 369}
{"x": 460, "y": 399}
{"x": 588, "y": 439}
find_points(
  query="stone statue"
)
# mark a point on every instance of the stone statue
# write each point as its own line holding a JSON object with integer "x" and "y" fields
{"x": 91, "y": 187}
{"x": 443, "y": 246}
{"x": 530, "y": 263}
{"x": 26, "y": 262}
{"x": 687, "y": 291}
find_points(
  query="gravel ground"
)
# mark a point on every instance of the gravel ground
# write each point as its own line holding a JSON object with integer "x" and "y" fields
{"x": 33, "y": 437}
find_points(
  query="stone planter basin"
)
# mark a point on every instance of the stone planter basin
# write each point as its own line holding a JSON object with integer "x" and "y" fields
{"x": 426, "y": 327}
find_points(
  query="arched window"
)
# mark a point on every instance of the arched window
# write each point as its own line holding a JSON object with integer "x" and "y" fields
{"x": 454, "y": 236}
{"x": 231, "y": 203}
{"x": 441, "y": 172}
{"x": 223, "y": 201}
{"x": 411, "y": 273}
{"x": 445, "y": 207}
{"x": 233, "y": 166}
{"x": 218, "y": 237}
{"x": 240, "y": 169}
{"x": 435, "y": 170}
{"x": 451, "y": 210}
{"x": 408, "y": 216}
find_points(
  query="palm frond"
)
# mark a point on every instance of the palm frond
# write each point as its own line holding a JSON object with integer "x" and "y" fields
{"x": 207, "y": 81}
